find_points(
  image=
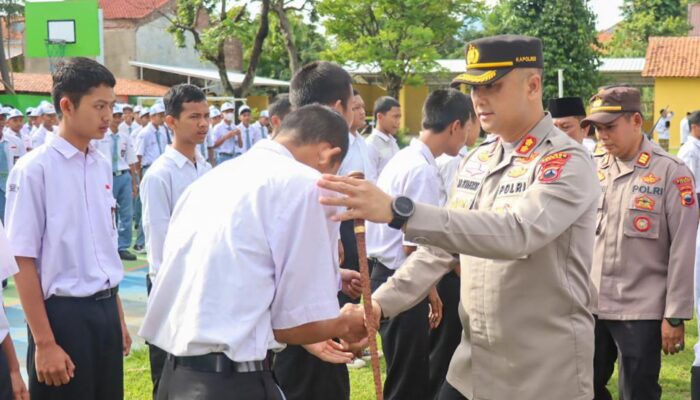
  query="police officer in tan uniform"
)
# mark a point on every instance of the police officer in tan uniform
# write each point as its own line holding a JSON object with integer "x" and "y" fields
{"x": 644, "y": 248}
{"x": 522, "y": 216}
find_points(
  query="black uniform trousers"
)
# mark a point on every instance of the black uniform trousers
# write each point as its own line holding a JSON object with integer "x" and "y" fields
{"x": 446, "y": 337}
{"x": 406, "y": 344}
{"x": 5, "y": 382}
{"x": 636, "y": 345}
{"x": 183, "y": 383}
{"x": 90, "y": 332}
{"x": 448, "y": 392}
{"x": 695, "y": 383}
{"x": 303, "y": 376}
{"x": 156, "y": 355}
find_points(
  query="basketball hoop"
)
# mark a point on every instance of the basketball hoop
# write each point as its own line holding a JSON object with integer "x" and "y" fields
{"x": 56, "y": 50}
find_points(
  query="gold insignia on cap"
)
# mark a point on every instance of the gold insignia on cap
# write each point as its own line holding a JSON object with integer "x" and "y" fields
{"x": 472, "y": 54}
{"x": 486, "y": 76}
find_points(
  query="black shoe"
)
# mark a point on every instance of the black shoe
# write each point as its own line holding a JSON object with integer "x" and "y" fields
{"x": 139, "y": 249}
{"x": 125, "y": 255}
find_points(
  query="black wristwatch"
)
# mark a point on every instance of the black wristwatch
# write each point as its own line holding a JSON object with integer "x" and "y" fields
{"x": 674, "y": 322}
{"x": 403, "y": 208}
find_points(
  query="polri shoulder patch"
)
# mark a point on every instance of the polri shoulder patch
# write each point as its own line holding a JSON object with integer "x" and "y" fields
{"x": 552, "y": 165}
{"x": 686, "y": 190}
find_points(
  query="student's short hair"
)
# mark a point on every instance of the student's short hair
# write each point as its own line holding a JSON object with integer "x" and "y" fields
{"x": 178, "y": 95}
{"x": 280, "y": 106}
{"x": 694, "y": 118}
{"x": 355, "y": 92}
{"x": 384, "y": 104}
{"x": 320, "y": 82}
{"x": 315, "y": 123}
{"x": 444, "y": 107}
{"x": 76, "y": 77}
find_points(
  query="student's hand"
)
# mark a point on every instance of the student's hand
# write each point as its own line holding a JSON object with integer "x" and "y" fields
{"x": 53, "y": 365}
{"x": 362, "y": 199}
{"x": 356, "y": 348}
{"x": 234, "y": 133}
{"x": 352, "y": 285}
{"x": 435, "y": 314}
{"x": 126, "y": 340}
{"x": 670, "y": 336}
{"x": 354, "y": 318}
{"x": 330, "y": 351}
{"x": 19, "y": 389}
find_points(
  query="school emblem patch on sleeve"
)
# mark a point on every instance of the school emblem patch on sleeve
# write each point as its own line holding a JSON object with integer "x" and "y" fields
{"x": 552, "y": 165}
{"x": 686, "y": 190}
{"x": 642, "y": 224}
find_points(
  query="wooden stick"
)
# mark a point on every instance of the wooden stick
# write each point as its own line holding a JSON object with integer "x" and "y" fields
{"x": 367, "y": 297}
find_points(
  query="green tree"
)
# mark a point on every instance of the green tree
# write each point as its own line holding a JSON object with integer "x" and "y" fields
{"x": 645, "y": 18}
{"x": 399, "y": 38}
{"x": 567, "y": 29}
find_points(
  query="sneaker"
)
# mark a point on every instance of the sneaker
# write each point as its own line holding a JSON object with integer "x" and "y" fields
{"x": 357, "y": 363}
{"x": 139, "y": 249}
{"x": 126, "y": 255}
{"x": 368, "y": 357}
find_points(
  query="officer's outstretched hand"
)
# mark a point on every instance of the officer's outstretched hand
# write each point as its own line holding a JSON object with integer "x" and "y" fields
{"x": 354, "y": 318}
{"x": 435, "y": 314}
{"x": 362, "y": 199}
{"x": 53, "y": 365}
{"x": 330, "y": 351}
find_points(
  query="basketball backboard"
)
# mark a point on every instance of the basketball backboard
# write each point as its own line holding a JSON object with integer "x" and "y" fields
{"x": 72, "y": 23}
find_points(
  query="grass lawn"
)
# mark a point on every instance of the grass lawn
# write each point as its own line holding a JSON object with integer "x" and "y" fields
{"x": 675, "y": 374}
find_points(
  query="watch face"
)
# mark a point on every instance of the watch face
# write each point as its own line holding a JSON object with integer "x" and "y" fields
{"x": 404, "y": 206}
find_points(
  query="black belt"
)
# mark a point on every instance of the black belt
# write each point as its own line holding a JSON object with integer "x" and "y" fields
{"x": 220, "y": 363}
{"x": 120, "y": 173}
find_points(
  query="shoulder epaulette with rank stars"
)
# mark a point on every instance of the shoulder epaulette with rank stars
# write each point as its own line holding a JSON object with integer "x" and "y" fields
{"x": 527, "y": 144}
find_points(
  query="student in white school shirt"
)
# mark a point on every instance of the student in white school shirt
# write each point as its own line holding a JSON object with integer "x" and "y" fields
{"x": 249, "y": 134}
{"x": 206, "y": 148}
{"x": 12, "y": 385}
{"x": 15, "y": 119}
{"x": 11, "y": 149}
{"x": 227, "y": 136}
{"x": 690, "y": 154}
{"x": 47, "y": 116}
{"x": 413, "y": 172}
{"x": 118, "y": 149}
{"x": 69, "y": 268}
{"x": 382, "y": 141}
{"x": 150, "y": 144}
{"x": 261, "y": 125}
{"x": 181, "y": 164}
{"x": 234, "y": 284}
{"x": 129, "y": 124}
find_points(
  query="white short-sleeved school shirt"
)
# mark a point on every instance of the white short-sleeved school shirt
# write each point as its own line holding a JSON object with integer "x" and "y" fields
{"x": 690, "y": 154}
{"x": 357, "y": 159}
{"x": 126, "y": 152}
{"x": 448, "y": 166}
{"x": 230, "y": 145}
{"x": 8, "y": 267}
{"x": 14, "y": 148}
{"x": 150, "y": 144}
{"x": 381, "y": 148}
{"x": 249, "y": 136}
{"x": 412, "y": 172}
{"x": 26, "y": 140}
{"x": 129, "y": 129}
{"x": 60, "y": 211}
{"x": 249, "y": 249}
{"x": 40, "y": 134}
{"x": 162, "y": 186}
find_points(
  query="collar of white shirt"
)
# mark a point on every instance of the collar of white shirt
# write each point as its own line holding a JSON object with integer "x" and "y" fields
{"x": 424, "y": 150}
{"x": 384, "y": 136}
{"x": 692, "y": 139}
{"x": 351, "y": 138}
{"x": 180, "y": 159}
{"x": 271, "y": 145}
{"x": 67, "y": 150}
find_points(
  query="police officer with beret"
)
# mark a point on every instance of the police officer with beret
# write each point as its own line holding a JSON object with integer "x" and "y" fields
{"x": 521, "y": 214}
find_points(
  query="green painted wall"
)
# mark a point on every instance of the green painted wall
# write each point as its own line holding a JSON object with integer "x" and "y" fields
{"x": 22, "y": 101}
{"x": 84, "y": 12}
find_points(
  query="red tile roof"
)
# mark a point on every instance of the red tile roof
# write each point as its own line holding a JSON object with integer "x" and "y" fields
{"x": 673, "y": 57}
{"x": 130, "y": 9}
{"x": 41, "y": 83}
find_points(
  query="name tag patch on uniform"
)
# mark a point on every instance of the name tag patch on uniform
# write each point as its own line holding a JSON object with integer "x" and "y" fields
{"x": 644, "y": 189}
{"x": 650, "y": 179}
{"x": 685, "y": 187}
{"x": 13, "y": 188}
{"x": 468, "y": 184}
{"x": 645, "y": 203}
{"x": 528, "y": 143}
{"x": 474, "y": 168}
{"x": 552, "y": 165}
{"x": 642, "y": 224}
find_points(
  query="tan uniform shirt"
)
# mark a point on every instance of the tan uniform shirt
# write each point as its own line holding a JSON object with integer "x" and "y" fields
{"x": 645, "y": 242}
{"x": 526, "y": 248}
